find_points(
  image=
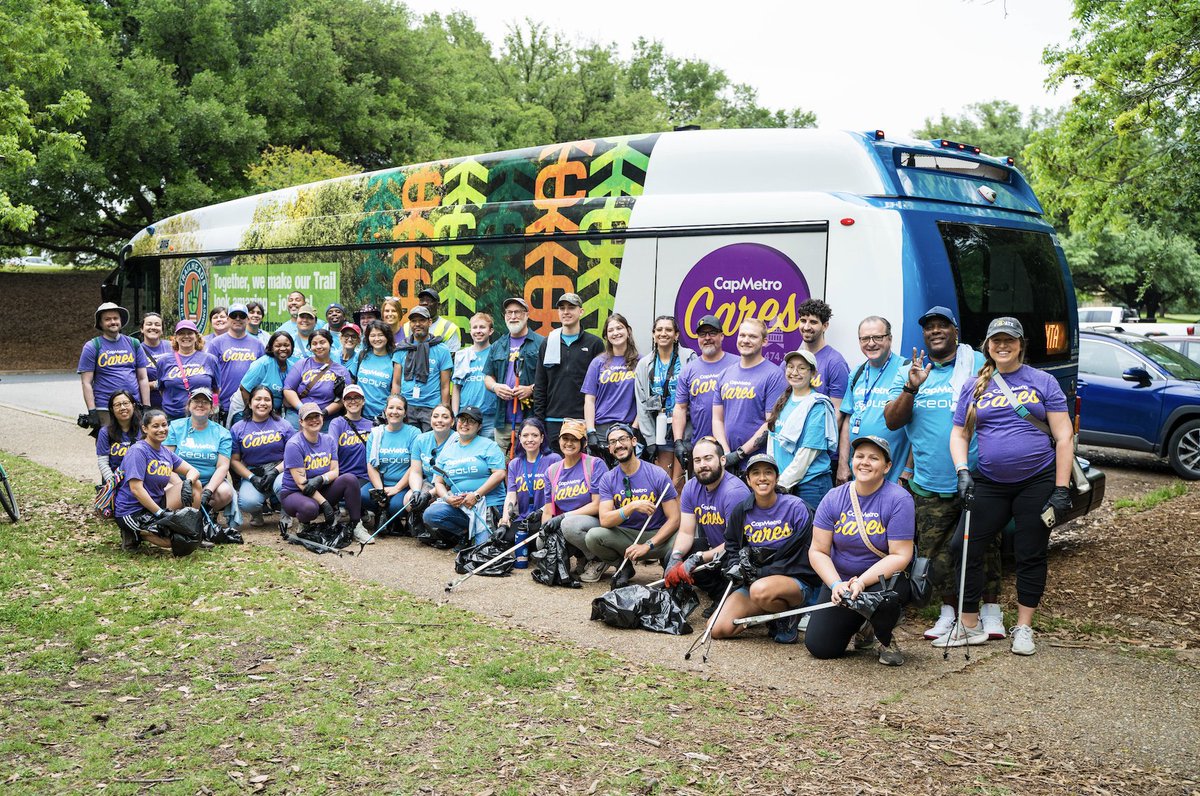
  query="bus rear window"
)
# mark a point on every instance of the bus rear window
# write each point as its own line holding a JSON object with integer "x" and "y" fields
{"x": 945, "y": 163}
{"x": 999, "y": 271}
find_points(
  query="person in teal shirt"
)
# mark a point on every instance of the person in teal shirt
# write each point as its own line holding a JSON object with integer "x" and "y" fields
{"x": 424, "y": 367}
{"x": 468, "y": 375}
{"x": 269, "y": 371}
{"x": 802, "y": 429}
{"x": 206, "y": 446}
{"x": 373, "y": 369}
{"x": 861, "y": 412}
{"x": 469, "y": 479}
{"x": 389, "y": 461}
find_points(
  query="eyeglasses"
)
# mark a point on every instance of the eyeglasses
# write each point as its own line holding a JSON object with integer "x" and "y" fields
{"x": 873, "y": 338}
{"x": 702, "y": 334}
{"x": 618, "y": 441}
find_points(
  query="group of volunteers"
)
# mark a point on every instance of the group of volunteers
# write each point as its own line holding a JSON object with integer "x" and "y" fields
{"x": 807, "y": 482}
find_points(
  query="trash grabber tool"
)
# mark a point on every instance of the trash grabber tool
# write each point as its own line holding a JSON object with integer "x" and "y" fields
{"x": 616, "y": 575}
{"x": 452, "y": 585}
{"x": 962, "y": 585}
{"x": 294, "y": 539}
{"x": 706, "y": 636}
{"x": 382, "y": 525}
{"x": 761, "y": 619}
{"x": 707, "y": 565}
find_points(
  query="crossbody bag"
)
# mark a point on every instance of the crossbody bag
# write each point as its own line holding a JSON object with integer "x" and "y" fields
{"x": 1079, "y": 481}
{"x": 917, "y": 571}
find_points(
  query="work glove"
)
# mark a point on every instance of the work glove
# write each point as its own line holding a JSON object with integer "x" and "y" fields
{"x": 681, "y": 452}
{"x": 339, "y": 386}
{"x": 732, "y": 459}
{"x": 329, "y": 511}
{"x": 206, "y": 499}
{"x": 263, "y": 482}
{"x": 682, "y": 571}
{"x": 738, "y": 569}
{"x": 94, "y": 418}
{"x": 1060, "y": 501}
{"x": 649, "y": 451}
{"x": 554, "y": 523}
{"x": 312, "y": 485}
{"x": 593, "y": 441}
{"x": 380, "y": 498}
{"x": 966, "y": 488}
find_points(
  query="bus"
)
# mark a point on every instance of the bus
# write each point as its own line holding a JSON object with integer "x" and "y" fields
{"x": 735, "y": 223}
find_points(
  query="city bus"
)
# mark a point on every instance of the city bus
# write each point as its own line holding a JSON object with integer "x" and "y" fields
{"x": 735, "y": 223}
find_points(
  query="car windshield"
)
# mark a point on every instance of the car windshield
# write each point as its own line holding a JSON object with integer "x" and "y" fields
{"x": 1168, "y": 359}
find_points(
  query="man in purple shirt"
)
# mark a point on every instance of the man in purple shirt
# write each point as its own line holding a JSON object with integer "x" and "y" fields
{"x": 704, "y": 508}
{"x": 746, "y": 391}
{"x": 833, "y": 372}
{"x": 697, "y": 385}
{"x": 235, "y": 351}
{"x": 111, "y": 362}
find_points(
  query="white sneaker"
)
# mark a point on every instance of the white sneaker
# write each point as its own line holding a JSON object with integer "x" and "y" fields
{"x": 962, "y": 635}
{"x": 993, "y": 620}
{"x": 361, "y": 535}
{"x": 943, "y": 624}
{"x": 593, "y": 571}
{"x": 1022, "y": 640}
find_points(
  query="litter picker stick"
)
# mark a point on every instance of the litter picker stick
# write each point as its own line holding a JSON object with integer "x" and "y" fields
{"x": 382, "y": 525}
{"x": 641, "y": 533}
{"x": 962, "y": 585}
{"x": 451, "y": 586}
{"x": 294, "y": 539}
{"x": 706, "y": 636}
{"x": 750, "y": 621}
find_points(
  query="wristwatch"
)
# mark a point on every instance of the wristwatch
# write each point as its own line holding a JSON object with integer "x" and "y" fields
{"x": 909, "y": 390}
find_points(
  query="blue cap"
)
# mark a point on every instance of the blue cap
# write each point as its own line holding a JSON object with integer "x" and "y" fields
{"x": 335, "y": 306}
{"x": 238, "y": 308}
{"x": 938, "y": 312}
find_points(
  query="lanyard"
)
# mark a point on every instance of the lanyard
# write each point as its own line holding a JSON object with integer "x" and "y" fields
{"x": 871, "y": 386}
{"x": 530, "y": 471}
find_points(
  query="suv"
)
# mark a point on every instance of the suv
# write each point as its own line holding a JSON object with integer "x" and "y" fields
{"x": 1140, "y": 395}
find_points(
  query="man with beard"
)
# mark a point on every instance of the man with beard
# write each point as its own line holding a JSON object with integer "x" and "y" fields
{"x": 422, "y": 367}
{"x": 832, "y": 370}
{"x": 438, "y": 326}
{"x": 562, "y": 365}
{"x": 235, "y": 351}
{"x": 866, "y": 396}
{"x": 111, "y": 362}
{"x": 628, "y": 494}
{"x": 509, "y": 372}
{"x": 697, "y": 385}
{"x": 922, "y": 401}
{"x": 745, "y": 391}
{"x": 296, "y": 300}
{"x": 705, "y": 506}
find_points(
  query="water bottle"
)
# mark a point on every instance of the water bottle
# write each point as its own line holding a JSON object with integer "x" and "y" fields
{"x": 522, "y": 560}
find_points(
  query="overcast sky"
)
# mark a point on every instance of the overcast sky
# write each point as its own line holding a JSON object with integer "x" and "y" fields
{"x": 859, "y": 64}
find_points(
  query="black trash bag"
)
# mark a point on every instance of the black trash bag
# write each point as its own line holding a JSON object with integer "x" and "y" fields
{"x": 657, "y": 610}
{"x": 184, "y": 528}
{"x": 322, "y": 538}
{"x": 220, "y": 535}
{"x": 471, "y": 558}
{"x": 552, "y": 564}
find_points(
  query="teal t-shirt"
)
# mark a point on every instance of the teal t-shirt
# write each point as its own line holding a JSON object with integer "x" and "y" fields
{"x": 471, "y": 391}
{"x": 374, "y": 375}
{"x": 265, "y": 371}
{"x": 469, "y": 466}
{"x": 391, "y": 452}
{"x": 864, "y": 405}
{"x": 813, "y": 436}
{"x": 428, "y": 393}
{"x": 200, "y": 448}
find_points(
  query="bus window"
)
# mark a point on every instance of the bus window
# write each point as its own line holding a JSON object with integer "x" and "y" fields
{"x": 999, "y": 271}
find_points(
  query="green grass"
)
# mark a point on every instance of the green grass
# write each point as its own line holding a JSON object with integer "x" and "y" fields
{"x": 1187, "y": 317}
{"x": 1152, "y": 499}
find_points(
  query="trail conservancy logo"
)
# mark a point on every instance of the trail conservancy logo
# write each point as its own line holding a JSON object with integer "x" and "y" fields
{"x": 193, "y": 293}
{"x": 745, "y": 280}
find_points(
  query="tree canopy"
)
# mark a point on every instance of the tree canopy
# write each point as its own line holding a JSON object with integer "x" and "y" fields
{"x": 997, "y": 127}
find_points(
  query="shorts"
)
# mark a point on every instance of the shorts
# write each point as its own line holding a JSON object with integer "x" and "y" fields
{"x": 809, "y": 592}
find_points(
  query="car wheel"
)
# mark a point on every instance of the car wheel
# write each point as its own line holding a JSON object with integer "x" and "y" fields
{"x": 1184, "y": 451}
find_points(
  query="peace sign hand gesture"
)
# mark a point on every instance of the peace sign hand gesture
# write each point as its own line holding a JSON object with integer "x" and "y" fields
{"x": 918, "y": 371}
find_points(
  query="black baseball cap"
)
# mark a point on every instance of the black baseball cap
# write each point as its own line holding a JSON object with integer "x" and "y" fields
{"x": 473, "y": 412}
{"x": 709, "y": 320}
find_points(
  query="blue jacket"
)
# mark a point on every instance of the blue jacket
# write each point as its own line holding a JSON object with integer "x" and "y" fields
{"x": 496, "y": 365}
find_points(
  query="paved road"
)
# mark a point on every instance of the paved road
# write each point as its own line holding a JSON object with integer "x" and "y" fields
{"x": 56, "y": 392}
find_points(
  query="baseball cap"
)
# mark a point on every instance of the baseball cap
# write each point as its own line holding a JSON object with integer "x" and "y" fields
{"x": 242, "y": 308}
{"x": 1005, "y": 325}
{"x": 309, "y": 408}
{"x": 515, "y": 300}
{"x": 937, "y": 312}
{"x": 879, "y": 442}
{"x": 709, "y": 320}
{"x": 353, "y": 389}
{"x": 419, "y": 312}
{"x": 628, "y": 429}
{"x": 763, "y": 458}
{"x": 570, "y": 298}
{"x": 428, "y": 291}
{"x": 200, "y": 392}
{"x": 473, "y": 412}
{"x": 333, "y": 306}
{"x": 805, "y": 354}
{"x": 573, "y": 428}
{"x": 351, "y": 327}
{"x": 307, "y": 309}
{"x": 186, "y": 325}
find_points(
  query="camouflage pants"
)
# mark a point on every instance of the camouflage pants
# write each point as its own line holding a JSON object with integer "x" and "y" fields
{"x": 939, "y": 522}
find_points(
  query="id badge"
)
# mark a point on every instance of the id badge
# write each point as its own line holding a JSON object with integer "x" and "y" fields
{"x": 417, "y": 391}
{"x": 855, "y": 426}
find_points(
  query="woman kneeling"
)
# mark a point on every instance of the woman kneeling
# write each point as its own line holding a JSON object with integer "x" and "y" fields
{"x": 862, "y": 537}
{"x": 766, "y": 556}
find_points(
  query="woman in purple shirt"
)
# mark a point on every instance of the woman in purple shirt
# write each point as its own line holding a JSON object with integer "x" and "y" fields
{"x": 115, "y": 439}
{"x": 141, "y": 497}
{"x": 608, "y": 388}
{"x": 259, "y": 440}
{"x": 573, "y": 498}
{"x": 183, "y": 369}
{"x": 312, "y": 484}
{"x": 317, "y": 379}
{"x": 1023, "y": 474}
{"x": 528, "y": 488}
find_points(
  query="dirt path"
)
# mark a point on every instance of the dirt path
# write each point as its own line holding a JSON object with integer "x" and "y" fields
{"x": 1094, "y": 699}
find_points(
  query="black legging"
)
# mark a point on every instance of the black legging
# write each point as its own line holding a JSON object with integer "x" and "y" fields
{"x": 830, "y": 629}
{"x": 995, "y": 504}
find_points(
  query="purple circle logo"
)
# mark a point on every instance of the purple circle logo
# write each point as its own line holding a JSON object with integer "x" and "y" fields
{"x": 739, "y": 281}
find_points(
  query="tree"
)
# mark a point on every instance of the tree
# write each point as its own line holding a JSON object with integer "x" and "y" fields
{"x": 282, "y": 167}
{"x": 997, "y": 127}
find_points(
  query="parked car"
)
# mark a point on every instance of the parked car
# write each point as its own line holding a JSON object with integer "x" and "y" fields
{"x": 1188, "y": 346}
{"x": 1108, "y": 315}
{"x": 1138, "y": 394}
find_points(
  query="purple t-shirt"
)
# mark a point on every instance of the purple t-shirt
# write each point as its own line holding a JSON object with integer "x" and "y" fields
{"x": 887, "y": 513}
{"x": 573, "y": 489}
{"x": 114, "y": 365}
{"x": 315, "y": 457}
{"x": 833, "y": 373}
{"x": 528, "y": 480}
{"x": 747, "y": 395}
{"x": 260, "y": 443}
{"x": 153, "y": 468}
{"x": 201, "y": 370}
{"x": 1011, "y": 448}
{"x": 647, "y": 483}
{"x": 115, "y": 449}
{"x": 234, "y": 357}
{"x": 153, "y": 353}
{"x": 305, "y": 372}
{"x": 352, "y": 447}
{"x": 612, "y": 384}
{"x": 777, "y": 530}
{"x": 697, "y": 387}
{"x": 712, "y": 508}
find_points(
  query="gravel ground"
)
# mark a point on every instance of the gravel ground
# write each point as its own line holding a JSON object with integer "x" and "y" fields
{"x": 1112, "y": 688}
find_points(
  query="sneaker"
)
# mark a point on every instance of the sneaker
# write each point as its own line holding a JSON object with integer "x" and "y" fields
{"x": 1022, "y": 640}
{"x": 993, "y": 620}
{"x": 891, "y": 655}
{"x": 943, "y": 625}
{"x": 864, "y": 639}
{"x": 962, "y": 635}
{"x": 593, "y": 571}
{"x": 256, "y": 519}
{"x": 786, "y": 630}
{"x": 361, "y": 535}
{"x": 129, "y": 539}
{"x": 804, "y": 622}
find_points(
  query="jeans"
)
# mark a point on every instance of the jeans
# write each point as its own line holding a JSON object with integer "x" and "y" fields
{"x": 395, "y": 502}
{"x": 575, "y": 529}
{"x": 812, "y": 490}
{"x": 250, "y": 500}
{"x": 454, "y": 522}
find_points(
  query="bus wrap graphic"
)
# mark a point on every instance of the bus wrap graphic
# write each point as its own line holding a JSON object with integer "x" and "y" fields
{"x": 193, "y": 294}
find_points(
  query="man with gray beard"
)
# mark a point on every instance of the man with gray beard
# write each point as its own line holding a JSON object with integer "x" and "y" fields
{"x": 510, "y": 370}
